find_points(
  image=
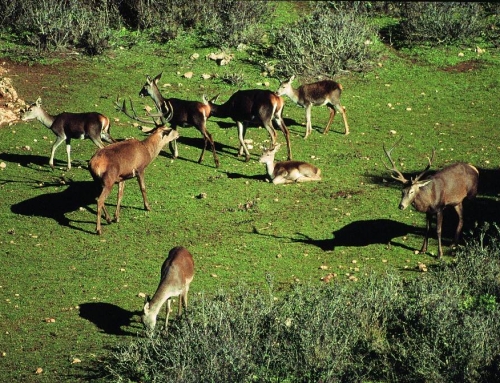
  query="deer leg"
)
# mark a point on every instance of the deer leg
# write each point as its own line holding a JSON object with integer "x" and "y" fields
{"x": 308, "y": 121}
{"x": 100, "y": 207}
{"x": 241, "y": 136}
{"x": 168, "y": 311}
{"x": 121, "y": 187}
{"x": 281, "y": 125}
{"x": 142, "y": 186}
{"x": 56, "y": 144}
{"x": 428, "y": 218}
{"x": 459, "y": 210}
{"x": 97, "y": 141}
{"x": 439, "y": 225}
{"x": 342, "y": 111}
{"x": 68, "y": 152}
{"x": 330, "y": 120}
{"x": 173, "y": 145}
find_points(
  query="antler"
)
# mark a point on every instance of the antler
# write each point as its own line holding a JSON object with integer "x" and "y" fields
{"x": 133, "y": 116}
{"x": 428, "y": 166}
{"x": 400, "y": 177}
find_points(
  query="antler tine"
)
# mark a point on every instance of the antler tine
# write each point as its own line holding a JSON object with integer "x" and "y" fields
{"x": 428, "y": 166}
{"x": 123, "y": 109}
{"x": 400, "y": 177}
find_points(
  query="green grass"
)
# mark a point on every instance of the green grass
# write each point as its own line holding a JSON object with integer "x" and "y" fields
{"x": 54, "y": 266}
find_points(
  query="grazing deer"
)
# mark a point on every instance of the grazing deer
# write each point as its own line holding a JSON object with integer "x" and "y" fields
{"x": 70, "y": 125}
{"x": 123, "y": 160}
{"x": 176, "y": 275}
{"x": 319, "y": 93}
{"x": 448, "y": 187}
{"x": 187, "y": 113}
{"x": 288, "y": 171}
{"x": 253, "y": 105}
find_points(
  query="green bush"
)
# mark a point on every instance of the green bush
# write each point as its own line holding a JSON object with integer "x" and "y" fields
{"x": 325, "y": 42}
{"x": 441, "y": 22}
{"x": 441, "y": 326}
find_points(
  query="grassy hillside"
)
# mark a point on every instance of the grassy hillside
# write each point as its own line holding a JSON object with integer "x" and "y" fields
{"x": 68, "y": 294}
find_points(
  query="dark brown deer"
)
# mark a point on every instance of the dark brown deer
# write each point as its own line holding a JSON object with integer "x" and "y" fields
{"x": 186, "y": 113}
{"x": 448, "y": 187}
{"x": 319, "y": 93}
{"x": 177, "y": 272}
{"x": 70, "y": 125}
{"x": 253, "y": 106}
{"x": 120, "y": 161}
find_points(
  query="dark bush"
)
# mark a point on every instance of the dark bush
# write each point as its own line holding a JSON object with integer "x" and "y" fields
{"x": 441, "y": 22}
{"x": 325, "y": 43}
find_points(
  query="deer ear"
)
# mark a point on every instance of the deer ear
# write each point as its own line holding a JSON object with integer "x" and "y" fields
{"x": 157, "y": 78}
{"x": 38, "y": 101}
{"x": 292, "y": 78}
{"x": 424, "y": 183}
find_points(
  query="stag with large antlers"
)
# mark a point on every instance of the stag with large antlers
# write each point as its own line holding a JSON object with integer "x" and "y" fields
{"x": 447, "y": 187}
{"x": 187, "y": 113}
{"x": 123, "y": 160}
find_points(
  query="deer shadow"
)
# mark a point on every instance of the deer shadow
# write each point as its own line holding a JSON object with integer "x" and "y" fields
{"x": 56, "y": 205}
{"x": 110, "y": 318}
{"x": 30, "y": 160}
{"x": 359, "y": 234}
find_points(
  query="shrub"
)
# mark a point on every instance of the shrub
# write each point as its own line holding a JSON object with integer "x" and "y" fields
{"x": 442, "y": 326}
{"x": 324, "y": 43}
{"x": 441, "y": 22}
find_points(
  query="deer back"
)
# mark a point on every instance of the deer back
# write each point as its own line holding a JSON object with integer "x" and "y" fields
{"x": 176, "y": 272}
{"x": 76, "y": 125}
{"x": 320, "y": 93}
{"x": 189, "y": 112}
{"x": 248, "y": 105}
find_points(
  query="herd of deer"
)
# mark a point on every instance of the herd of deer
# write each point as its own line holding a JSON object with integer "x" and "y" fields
{"x": 128, "y": 159}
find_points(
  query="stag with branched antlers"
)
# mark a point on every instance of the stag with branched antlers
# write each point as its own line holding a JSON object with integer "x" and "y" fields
{"x": 447, "y": 187}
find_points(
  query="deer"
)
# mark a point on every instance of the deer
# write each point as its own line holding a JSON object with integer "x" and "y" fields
{"x": 66, "y": 126}
{"x": 187, "y": 113}
{"x": 325, "y": 92}
{"x": 177, "y": 273}
{"x": 447, "y": 187}
{"x": 253, "y": 105}
{"x": 284, "y": 172}
{"x": 120, "y": 161}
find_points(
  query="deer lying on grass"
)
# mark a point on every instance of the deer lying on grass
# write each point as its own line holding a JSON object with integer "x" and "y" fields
{"x": 319, "y": 93}
{"x": 187, "y": 113}
{"x": 70, "y": 125}
{"x": 448, "y": 187}
{"x": 176, "y": 275}
{"x": 288, "y": 171}
{"x": 123, "y": 160}
{"x": 254, "y": 105}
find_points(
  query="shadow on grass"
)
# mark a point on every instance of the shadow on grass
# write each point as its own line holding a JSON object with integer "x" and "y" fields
{"x": 363, "y": 233}
{"x": 110, "y": 318}
{"x": 31, "y": 161}
{"x": 56, "y": 205}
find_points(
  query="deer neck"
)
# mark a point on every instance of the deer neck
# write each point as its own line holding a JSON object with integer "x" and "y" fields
{"x": 270, "y": 167}
{"x": 45, "y": 118}
{"x": 293, "y": 94}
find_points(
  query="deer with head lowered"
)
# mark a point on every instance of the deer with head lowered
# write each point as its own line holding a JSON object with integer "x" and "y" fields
{"x": 120, "y": 161}
{"x": 177, "y": 274}
{"x": 186, "y": 113}
{"x": 70, "y": 125}
{"x": 325, "y": 92}
{"x": 447, "y": 187}
{"x": 253, "y": 106}
{"x": 284, "y": 172}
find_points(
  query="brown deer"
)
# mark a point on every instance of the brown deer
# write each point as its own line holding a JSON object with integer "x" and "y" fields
{"x": 256, "y": 106}
{"x": 448, "y": 187}
{"x": 319, "y": 93}
{"x": 284, "y": 172}
{"x": 70, "y": 125}
{"x": 120, "y": 161}
{"x": 176, "y": 275}
{"x": 186, "y": 113}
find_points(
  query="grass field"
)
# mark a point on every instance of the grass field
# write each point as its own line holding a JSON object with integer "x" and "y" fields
{"x": 68, "y": 295}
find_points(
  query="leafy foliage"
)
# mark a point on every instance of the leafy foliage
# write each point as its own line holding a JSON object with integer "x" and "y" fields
{"x": 382, "y": 328}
